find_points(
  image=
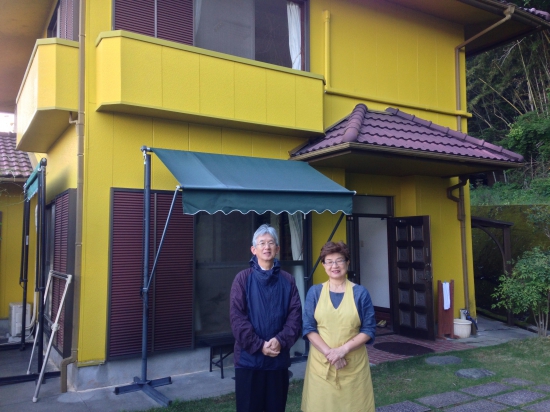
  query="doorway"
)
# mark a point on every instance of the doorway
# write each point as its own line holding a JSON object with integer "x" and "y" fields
{"x": 368, "y": 228}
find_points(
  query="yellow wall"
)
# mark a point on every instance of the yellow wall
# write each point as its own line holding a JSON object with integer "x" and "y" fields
{"x": 113, "y": 159}
{"x": 386, "y": 55}
{"x": 61, "y": 167}
{"x": 377, "y": 50}
{"x": 323, "y": 225}
{"x": 427, "y": 196}
{"x": 11, "y": 206}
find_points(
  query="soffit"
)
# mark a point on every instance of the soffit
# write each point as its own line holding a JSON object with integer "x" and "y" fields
{"x": 477, "y": 15}
{"x": 22, "y": 22}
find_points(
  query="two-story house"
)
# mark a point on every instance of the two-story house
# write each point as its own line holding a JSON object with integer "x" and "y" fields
{"x": 370, "y": 93}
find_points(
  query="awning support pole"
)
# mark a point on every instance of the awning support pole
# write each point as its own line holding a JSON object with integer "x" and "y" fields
{"x": 142, "y": 384}
{"x": 153, "y": 271}
{"x": 41, "y": 266}
{"x": 23, "y": 277}
{"x": 329, "y": 239}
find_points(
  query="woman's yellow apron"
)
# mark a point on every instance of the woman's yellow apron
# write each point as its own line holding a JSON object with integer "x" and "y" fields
{"x": 325, "y": 388}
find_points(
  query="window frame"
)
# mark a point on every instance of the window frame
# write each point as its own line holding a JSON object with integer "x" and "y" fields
{"x": 304, "y": 23}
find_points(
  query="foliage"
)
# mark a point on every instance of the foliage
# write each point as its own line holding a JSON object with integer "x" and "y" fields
{"x": 530, "y": 136}
{"x": 508, "y": 90}
{"x": 536, "y": 191}
{"x": 527, "y": 288}
{"x": 487, "y": 258}
{"x": 539, "y": 217}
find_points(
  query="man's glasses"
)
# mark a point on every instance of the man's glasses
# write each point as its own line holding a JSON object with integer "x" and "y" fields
{"x": 264, "y": 244}
{"x": 337, "y": 262}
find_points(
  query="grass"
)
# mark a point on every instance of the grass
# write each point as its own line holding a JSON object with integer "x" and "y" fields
{"x": 413, "y": 378}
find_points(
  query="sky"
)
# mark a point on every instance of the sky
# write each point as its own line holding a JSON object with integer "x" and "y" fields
{"x": 6, "y": 122}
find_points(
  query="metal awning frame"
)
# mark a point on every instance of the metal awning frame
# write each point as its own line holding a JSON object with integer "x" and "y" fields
{"x": 142, "y": 383}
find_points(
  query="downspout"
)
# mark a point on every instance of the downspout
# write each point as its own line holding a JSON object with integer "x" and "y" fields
{"x": 79, "y": 195}
{"x": 327, "y": 49}
{"x": 508, "y": 15}
{"x": 461, "y": 216}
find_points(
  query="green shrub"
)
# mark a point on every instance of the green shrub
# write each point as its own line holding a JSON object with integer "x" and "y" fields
{"x": 527, "y": 288}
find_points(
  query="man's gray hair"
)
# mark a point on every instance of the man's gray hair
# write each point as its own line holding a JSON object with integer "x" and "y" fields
{"x": 265, "y": 229}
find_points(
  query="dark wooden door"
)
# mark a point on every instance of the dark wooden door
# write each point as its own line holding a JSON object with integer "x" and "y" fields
{"x": 411, "y": 272}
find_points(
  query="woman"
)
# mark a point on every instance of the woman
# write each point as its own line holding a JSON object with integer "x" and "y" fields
{"x": 338, "y": 321}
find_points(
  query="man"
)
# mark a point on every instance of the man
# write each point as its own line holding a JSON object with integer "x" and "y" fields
{"x": 266, "y": 319}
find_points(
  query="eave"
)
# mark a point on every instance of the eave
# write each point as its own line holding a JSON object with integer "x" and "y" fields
{"x": 380, "y": 160}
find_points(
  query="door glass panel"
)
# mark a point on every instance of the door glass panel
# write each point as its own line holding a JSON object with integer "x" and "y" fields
{"x": 404, "y": 296}
{"x": 401, "y": 233}
{"x": 417, "y": 233}
{"x": 418, "y": 276}
{"x": 402, "y": 254}
{"x": 419, "y": 298}
{"x": 418, "y": 254}
{"x": 404, "y": 318}
{"x": 421, "y": 321}
{"x": 404, "y": 275}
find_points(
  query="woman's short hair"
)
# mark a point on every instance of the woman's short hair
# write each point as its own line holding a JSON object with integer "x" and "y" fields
{"x": 330, "y": 247}
{"x": 265, "y": 229}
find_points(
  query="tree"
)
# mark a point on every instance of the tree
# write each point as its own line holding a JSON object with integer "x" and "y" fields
{"x": 527, "y": 288}
{"x": 509, "y": 97}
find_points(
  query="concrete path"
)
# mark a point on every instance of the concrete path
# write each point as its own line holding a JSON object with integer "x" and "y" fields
{"x": 18, "y": 397}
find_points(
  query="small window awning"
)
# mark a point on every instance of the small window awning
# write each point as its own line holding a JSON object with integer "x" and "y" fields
{"x": 223, "y": 183}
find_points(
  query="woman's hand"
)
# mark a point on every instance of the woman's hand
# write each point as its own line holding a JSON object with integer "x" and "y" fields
{"x": 336, "y": 354}
{"x": 340, "y": 364}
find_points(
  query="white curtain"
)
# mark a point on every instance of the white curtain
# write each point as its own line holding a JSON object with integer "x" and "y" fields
{"x": 295, "y": 34}
{"x": 296, "y": 243}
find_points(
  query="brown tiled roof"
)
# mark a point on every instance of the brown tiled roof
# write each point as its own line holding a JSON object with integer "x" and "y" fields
{"x": 397, "y": 129}
{"x": 14, "y": 164}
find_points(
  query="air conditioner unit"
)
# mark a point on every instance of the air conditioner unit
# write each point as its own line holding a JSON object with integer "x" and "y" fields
{"x": 16, "y": 318}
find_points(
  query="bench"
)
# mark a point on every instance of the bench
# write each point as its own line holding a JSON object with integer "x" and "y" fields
{"x": 221, "y": 346}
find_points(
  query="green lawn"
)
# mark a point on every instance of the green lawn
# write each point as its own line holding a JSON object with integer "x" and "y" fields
{"x": 413, "y": 378}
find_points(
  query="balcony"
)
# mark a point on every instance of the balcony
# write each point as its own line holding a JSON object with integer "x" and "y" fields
{"x": 48, "y": 93}
{"x": 142, "y": 75}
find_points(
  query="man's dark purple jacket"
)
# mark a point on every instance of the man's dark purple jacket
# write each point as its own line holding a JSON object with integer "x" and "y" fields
{"x": 264, "y": 304}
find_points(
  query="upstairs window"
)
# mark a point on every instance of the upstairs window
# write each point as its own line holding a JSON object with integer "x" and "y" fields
{"x": 64, "y": 21}
{"x": 270, "y": 31}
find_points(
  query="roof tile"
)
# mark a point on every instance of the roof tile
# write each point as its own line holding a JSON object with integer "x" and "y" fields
{"x": 13, "y": 163}
{"x": 397, "y": 129}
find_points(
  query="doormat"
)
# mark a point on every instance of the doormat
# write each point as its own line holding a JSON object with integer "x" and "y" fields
{"x": 403, "y": 348}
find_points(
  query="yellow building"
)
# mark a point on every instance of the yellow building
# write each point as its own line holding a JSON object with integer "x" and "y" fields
{"x": 15, "y": 169}
{"x": 370, "y": 93}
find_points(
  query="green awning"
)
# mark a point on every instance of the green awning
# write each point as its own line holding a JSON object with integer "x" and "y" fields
{"x": 222, "y": 183}
{"x": 31, "y": 185}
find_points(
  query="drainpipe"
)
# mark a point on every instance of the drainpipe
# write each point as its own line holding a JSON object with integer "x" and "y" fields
{"x": 508, "y": 15}
{"x": 79, "y": 195}
{"x": 327, "y": 48}
{"x": 461, "y": 216}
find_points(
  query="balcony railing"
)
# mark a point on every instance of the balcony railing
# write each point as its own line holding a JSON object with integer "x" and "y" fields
{"x": 48, "y": 93}
{"x": 142, "y": 75}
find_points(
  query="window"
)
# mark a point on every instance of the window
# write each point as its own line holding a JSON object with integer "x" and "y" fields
{"x": 270, "y": 31}
{"x": 222, "y": 249}
{"x": 64, "y": 22}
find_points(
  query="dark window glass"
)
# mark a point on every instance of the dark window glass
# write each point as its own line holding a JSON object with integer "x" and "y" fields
{"x": 222, "y": 249}
{"x": 269, "y": 31}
